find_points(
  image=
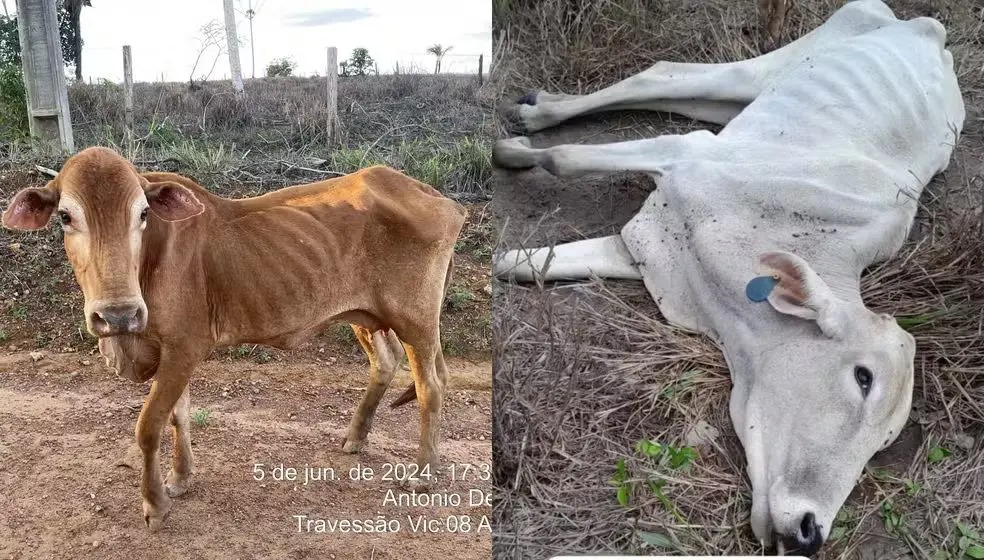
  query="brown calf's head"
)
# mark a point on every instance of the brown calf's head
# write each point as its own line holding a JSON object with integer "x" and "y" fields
{"x": 103, "y": 205}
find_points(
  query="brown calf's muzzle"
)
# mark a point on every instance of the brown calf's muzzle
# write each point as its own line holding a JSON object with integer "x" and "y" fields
{"x": 117, "y": 318}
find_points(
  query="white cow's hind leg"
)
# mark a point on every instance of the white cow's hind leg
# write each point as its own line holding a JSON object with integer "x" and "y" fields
{"x": 604, "y": 257}
{"x": 652, "y": 155}
{"x": 708, "y": 92}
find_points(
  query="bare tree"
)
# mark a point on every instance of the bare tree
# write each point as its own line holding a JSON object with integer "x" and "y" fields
{"x": 439, "y": 52}
{"x": 235, "y": 68}
{"x": 74, "y": 9}
{"x": 211, "y": 35}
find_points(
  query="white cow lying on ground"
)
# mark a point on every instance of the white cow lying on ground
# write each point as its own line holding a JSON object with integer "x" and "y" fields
{"x": 829, "y": 143}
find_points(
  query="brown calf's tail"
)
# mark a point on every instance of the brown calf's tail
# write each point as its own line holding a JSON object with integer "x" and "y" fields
{"x": 411, "y": 392}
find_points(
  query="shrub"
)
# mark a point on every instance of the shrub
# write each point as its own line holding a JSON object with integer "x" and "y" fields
{"x": 13, "y": 104}
{"x": 280, "y": 67}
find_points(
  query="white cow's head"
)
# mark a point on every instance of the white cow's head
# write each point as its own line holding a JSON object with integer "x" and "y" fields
{"x": 815, "y": 403}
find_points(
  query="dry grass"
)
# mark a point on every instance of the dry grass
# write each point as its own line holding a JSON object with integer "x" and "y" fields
{"x": 295, "y": 107}
{"x": 434, "y": 128}
{"x": 583, "y": 372}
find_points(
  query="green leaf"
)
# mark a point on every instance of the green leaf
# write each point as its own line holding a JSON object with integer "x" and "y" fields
{"x": 657, "y": 539}
{"x": 623, "y": 495}
{"x": 963, "y": 543}
{"x": 620, "y": 472}
{"x": 882, "y": 474}
{"x": 975, "y": 551}
{"x": 837, "y": 533}
{"x": 648, "y": 448}
{"x": 940, "y": 555}
{"x": 966, "y": 531}
{"x": 682, "y": 457}
{"x": 937, "y": 454}
{"x": 657, "y": 486}
{"x": 845, "y": 515}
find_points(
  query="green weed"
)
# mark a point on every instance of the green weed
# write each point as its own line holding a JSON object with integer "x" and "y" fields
{"x": 656, "y": 457}
{"x": 459, "y": 298}
{"x": 201, "y": 417}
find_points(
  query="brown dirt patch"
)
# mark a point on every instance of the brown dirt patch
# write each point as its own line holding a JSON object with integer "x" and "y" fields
{"x": 65, "y": 425}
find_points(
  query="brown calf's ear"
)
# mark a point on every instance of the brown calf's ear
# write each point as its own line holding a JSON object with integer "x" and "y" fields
{"x": 31, "y": 208}
{"x": 173, "y": 202}
{"x": 800, "y": 292}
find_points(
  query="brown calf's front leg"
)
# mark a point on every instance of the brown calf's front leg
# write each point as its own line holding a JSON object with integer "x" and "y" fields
{"x": 168, "y": 387}
{"x": 183, "y": 465}
{"x": 385, "y": 352}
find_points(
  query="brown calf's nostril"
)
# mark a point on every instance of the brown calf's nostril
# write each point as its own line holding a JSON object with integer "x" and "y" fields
{"x": 111, "y": 320}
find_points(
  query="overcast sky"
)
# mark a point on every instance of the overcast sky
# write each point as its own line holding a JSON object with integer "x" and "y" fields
{"x": 164, "y": 35}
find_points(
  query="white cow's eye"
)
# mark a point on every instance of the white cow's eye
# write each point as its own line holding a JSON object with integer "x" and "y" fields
{"x": 64, "y": 218}
{"x": 864, "y": 378}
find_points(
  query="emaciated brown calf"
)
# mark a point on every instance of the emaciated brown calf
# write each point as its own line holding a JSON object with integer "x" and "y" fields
{"x": 170, "y": 271}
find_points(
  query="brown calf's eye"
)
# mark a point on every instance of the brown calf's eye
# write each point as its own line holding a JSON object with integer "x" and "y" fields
{"x": 64, "y": 218}
{"x": 143, "y": 215}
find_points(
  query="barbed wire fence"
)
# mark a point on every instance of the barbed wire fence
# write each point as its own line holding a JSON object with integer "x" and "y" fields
{"x": 461, "y": 64}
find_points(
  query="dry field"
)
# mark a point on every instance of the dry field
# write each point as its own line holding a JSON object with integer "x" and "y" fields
{"x": 585, "y": 371}
{"x": 67, "y": 482}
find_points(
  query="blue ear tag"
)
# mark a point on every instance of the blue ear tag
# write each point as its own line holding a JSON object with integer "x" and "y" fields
{"x": 759, "y": 288}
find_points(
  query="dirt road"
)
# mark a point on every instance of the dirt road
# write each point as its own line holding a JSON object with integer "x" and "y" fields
{"x": 66, "y": 430}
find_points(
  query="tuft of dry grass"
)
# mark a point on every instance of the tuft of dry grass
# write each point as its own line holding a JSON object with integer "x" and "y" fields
{"x": 585, "y": 371}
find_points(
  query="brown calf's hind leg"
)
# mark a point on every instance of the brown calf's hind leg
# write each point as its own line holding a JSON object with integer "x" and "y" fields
{"x": 430, "y": 378}
{"x": 167, "y": 389}
{"x": 179, "y": 478}
{"x": 385, "y": 352}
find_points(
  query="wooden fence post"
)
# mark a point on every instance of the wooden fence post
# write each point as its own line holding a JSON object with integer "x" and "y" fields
{"x": 481, "y": 60}
{"x": 44, "y": 74}
{"x": 332, "y": 76}
{"x": 128, "y": 95}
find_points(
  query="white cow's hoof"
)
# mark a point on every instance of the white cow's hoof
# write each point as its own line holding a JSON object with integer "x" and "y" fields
{"x": 514, "y": 153}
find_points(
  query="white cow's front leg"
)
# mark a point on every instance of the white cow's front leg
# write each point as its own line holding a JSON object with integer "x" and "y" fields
{"x": 604, "y": 257}
{"x": 652, "y": 155}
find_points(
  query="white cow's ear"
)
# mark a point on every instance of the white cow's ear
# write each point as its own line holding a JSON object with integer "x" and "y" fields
{"x": 800, "y": 292}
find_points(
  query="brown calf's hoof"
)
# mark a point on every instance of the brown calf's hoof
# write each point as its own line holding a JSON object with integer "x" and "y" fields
{"x": 154, "y": 517}
{"x": 177, "y": 484}
{"x": 353, "y": 446}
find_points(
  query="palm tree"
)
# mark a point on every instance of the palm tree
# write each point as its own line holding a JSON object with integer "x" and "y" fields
{"x": 74, "y": 9}
{"x": 439, "y": 52}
